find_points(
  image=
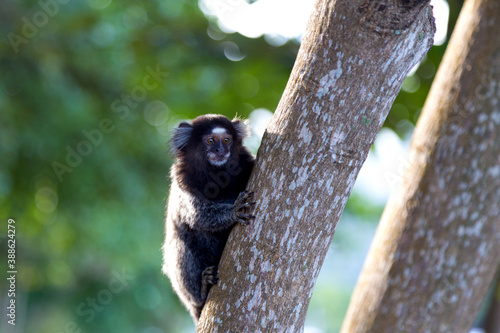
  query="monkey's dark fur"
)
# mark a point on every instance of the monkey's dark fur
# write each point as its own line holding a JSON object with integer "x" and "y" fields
{"x": 206, "y": 199}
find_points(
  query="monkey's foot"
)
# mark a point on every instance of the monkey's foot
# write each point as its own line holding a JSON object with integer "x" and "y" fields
{"x": 243, "y": 203}
{"x": 209, "y": 275}
{"x": 208, "y": 279}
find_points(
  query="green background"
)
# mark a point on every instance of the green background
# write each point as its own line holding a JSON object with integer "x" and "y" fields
{"x": 84, "y": 127}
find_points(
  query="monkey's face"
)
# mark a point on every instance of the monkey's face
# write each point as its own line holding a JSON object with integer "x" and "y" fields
{"x": 218, "y": 146}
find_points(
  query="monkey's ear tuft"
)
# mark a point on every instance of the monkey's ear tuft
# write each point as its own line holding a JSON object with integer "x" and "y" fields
{"x": 242, "y": 127}
{"x": 181, "y": 136}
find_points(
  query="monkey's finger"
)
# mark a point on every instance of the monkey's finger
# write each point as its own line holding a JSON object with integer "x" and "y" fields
{"x": 242, "y": 220}
{"x": 244, "y": 217}
{"x": 210, "y": 270}
{"x": 212, "y": 279}
{"x": 246, "y": 205}
{"x": 249, "y": 196}
{"x": 241, "y": 195}
{"x": 245, "y": 195}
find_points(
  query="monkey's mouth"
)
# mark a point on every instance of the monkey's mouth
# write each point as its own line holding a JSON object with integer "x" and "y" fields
{"x": 218, "y": 159}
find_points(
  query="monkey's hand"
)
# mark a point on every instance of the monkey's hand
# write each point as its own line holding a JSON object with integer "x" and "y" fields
{"x": 242, "y": 205}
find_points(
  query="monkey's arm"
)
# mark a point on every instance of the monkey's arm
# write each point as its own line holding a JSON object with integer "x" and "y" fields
{"x": 213, "y": 216}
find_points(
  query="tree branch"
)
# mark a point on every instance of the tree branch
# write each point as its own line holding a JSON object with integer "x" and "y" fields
{"x": 437, "y": 246}
{"x": 348, "y": 71}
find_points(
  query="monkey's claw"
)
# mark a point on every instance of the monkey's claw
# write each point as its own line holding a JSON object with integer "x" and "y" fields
{"x": 243, "y": 203}
{"x": 210, "y": 275}
{"x": 244, "y": 200}
{"x": 244, "y": 218}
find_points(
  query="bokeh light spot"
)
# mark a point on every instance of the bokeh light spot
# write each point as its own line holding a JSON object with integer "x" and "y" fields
{"x": 135, "y": 17}
{"x": 411, "y": 84}
{"x": 99, "y": 4}
{"x": 156, "y": 113}
{"x": 232, "y": 51}
{"x": 103, "y": 34}
{"x": 46, "y": 200}
{"x": 148, "y": 296}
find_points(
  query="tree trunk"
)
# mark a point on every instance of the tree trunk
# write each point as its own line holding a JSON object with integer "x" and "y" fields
{"x": 437, "y": 248}
{"x": 351, "y": 64}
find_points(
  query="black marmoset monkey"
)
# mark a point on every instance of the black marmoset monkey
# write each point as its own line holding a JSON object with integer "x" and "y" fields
{"x": 206, "y": 199}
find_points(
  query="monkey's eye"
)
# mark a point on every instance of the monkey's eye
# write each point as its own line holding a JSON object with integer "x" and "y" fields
{"x": 210, "y": 141}
{"x": 227, "y": 140}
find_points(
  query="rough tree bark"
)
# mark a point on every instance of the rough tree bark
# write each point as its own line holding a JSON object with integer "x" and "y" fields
{"x": 437, "y": 248}
{"x": 352, "y": 62}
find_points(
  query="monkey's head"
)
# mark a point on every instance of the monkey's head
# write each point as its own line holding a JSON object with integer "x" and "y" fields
{"x": 212, "y": 138}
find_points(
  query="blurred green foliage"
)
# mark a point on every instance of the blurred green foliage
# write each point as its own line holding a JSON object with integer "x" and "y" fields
{"x": 88, "y": 94}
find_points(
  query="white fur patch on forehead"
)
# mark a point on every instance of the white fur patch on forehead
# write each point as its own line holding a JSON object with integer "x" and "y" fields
{"x": 219, "y": 130}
